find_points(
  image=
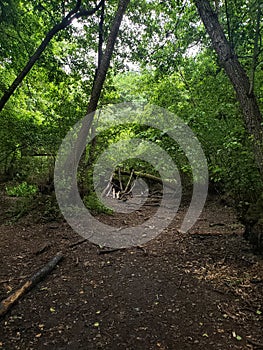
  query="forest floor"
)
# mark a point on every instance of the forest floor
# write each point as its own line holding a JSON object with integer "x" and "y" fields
{"x": 199, "y": 290}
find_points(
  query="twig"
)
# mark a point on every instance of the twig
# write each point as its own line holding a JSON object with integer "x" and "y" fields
{"x": 108, "y": 251}
{"x": 222, "y": 309}
{"x": 180, "y": 282}
{"x": 132, "y": 186}
{"x": 142, "y": 248}
{"x": 112, "y": 250}
{"x": 41, "y": 250}
{"x": 129, "y": 181}
{"x": 219, "y": 291}
{"x": 108, "y": 185}
{"x": 7, "y": 303}
{"x": 120, "y": 182}
{"x": 107, "y": 195}
{"x": 78, "y": 243}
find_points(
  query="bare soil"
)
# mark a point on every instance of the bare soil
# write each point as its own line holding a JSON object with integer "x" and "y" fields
{"x": 199, "y": 290}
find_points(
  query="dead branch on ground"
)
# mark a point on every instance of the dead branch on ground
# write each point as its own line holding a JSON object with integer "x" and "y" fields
{"x": 7, "y": 303}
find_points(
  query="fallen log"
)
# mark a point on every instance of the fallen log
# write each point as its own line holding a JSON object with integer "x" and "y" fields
{"x": 7, "y": 303}
{"x": 165, "y": 182}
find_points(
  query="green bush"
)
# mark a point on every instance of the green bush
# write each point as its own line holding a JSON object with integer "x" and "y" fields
{"x": 21, "y": 190}
{"x": 93, "y": 203}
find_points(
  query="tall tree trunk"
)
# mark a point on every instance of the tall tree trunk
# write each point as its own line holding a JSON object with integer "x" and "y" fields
{"x": 77, "y": 12}
{"x": 238, "y": 77}
{"x": 100, "y": 75}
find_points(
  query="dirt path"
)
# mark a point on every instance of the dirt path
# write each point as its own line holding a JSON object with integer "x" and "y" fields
{"x": 200, "y": 290}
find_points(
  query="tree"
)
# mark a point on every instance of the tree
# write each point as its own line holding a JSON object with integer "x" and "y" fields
{"x": 75, "y": 13}
{"x": 244, "y": 88}
{"x": 102, "y": 72}
{"x": 99, "y": 79}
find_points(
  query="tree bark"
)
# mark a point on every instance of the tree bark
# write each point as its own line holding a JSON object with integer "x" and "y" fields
{"x": 238, "y": 77}
{"x": 101, "y": 74}
{"x": 77, "y": 12}
{"x": 106, "y": 57}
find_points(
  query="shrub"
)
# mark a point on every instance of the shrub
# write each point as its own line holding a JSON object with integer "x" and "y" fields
{"x": 22, "y": 190}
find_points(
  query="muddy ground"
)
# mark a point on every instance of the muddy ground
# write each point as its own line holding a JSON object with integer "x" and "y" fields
{"x": 197, "y": 290}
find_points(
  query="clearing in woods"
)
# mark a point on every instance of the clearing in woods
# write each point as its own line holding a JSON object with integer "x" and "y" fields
{"x": 200, "y": 290}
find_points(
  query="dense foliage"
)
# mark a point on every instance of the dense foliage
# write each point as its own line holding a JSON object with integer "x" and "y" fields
{"x": 163, "y": 57}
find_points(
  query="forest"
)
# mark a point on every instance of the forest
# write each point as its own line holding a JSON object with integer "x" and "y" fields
{"x": 131, "y": 174}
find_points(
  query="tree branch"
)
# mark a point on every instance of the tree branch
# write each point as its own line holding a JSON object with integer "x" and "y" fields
{"x": 256, "y": 50}
{"x": 74, "y": 13}
{"x": 7, "y": 303}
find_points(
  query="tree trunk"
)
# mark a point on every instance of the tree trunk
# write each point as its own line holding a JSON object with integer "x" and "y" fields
{"x": 101, "y": 74}
{"x": 238, "y": 77}
{"x": 106, "y": 57}
{"x": 75, "y": 13}
{"x": 71, "y": 163}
